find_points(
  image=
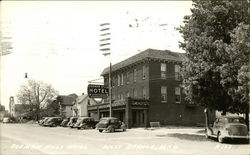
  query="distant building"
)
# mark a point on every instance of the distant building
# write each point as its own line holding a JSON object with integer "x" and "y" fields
{"x": 146, "y": 88}
{"x": 66, "y": 103}
{"x": 81, "y": 104}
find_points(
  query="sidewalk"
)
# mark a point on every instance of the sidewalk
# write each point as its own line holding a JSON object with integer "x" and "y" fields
{"x": 173, "y": 129}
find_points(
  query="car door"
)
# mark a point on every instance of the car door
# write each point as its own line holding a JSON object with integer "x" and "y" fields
{"x": 216, "y": 126}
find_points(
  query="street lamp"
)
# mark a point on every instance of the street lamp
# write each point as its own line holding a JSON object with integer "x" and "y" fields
{"x": 105, "y": 49}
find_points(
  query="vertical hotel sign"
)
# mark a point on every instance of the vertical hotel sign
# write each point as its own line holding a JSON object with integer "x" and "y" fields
{"x": 105, "y": 38}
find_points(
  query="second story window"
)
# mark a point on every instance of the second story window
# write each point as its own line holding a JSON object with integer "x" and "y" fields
{"x": 144, "y": 93}
{"x": 135, "y": 92}
{"x": 121, "y": 79}
{"x": 135, "y": 75}
{"x": 163, "y": 94}
{"x": 163, "y": 71}
{"x": 177, "y": 72}
{"x": 143, "y": 72}
{"x": 177, "y": 95}
{"x": 128, "y": 95}
{"x": 127, "y": 77}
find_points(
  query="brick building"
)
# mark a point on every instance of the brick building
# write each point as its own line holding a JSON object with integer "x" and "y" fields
{"x": 146, "y": 88}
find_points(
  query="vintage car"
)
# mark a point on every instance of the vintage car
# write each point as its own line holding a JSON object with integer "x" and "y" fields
{"x": 85, "y": 123}
{"x": 72, "y": 121}
{"x": 64, "y": 122}
{"x": 53, "y": 121}
{"x": 6, "y": 120}
{"x": 110, "y": 124}
{"x": 41, "y": 122}
{"x": 228, "y": 127}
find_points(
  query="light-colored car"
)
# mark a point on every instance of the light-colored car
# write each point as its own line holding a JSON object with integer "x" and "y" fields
{"x": 6, "y": 120}
{"x": 228, "y": 127}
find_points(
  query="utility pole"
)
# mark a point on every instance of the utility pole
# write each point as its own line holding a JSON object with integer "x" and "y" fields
{"x": 105, "y": 49}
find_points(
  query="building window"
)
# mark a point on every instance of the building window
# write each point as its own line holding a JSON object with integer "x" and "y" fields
{"x": 135, "y": 74}
{"x": 127, "y": 77}
{"x": 177, "y": 72}
{"x": 163, "y": 94}
{"x": 122, "y": 97}
{"x": 144, "y": 93}
{"x": 113, "y": 82}
{"x": 163, "y": 71}
{"x": 135, "y": 92}
{"x": 143, "y": 72}
{"x": 128, "y": 94}
{"x": 121, "y": 79}
{"x": 118, "y": 80}
{"x": 177, "y": 95}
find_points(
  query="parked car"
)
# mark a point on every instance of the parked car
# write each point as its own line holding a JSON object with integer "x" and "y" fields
{"x": 85, "y": 123}
{"x": 110, "y": 124}
{"x": 6, "y": 120}
{"x": 71, "y": 122}
{"x": 53, "y": 121}
{"x": 64, "y": 122}
{"x": 41, "y": 122}
{"x": 228, "y": 127}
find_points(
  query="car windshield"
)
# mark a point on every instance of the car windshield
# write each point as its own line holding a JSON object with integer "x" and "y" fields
{"x": 80, "y": 120}
{"x": 50, "y": 119}
{"x": 104, "y": 121}
{"x": 235, "y": 120}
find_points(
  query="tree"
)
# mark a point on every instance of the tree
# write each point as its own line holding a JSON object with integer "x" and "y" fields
{"x": 217, "y": 48}
{"x": 51, "y": 109}
{"x": 35, "y": 94}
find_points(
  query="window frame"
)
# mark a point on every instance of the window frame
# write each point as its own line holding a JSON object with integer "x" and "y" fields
{"x": 177, "y": 94}
{"x": 163, "y": 70}
{"x": 164, "y": 94}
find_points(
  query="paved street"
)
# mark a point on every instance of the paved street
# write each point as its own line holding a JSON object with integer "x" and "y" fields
{"x": 27, "y": 139}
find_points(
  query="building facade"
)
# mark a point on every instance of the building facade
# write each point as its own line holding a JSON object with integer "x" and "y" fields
{"x": 81, "y": 105}
{"x": 146, "y": 88}
{"x": 67, "y": 105}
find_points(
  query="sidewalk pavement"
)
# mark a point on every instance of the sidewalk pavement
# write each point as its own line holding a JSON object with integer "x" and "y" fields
{"x": 173, "y": 129}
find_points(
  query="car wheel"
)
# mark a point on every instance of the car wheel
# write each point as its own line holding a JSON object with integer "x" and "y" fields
{"x": 220, "y": 139}
{"x": 100, "y": 130}
{"x": 111, "y": 129}
{"x": 123, "y": 129}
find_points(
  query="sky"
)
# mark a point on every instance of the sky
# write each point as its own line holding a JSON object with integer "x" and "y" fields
{"x": 57, "y": 42}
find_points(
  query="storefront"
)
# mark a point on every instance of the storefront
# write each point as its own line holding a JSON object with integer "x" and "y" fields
{"x": 134, "y": 112}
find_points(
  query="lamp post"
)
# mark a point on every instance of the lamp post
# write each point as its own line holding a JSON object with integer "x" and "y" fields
{"x": 105, "y": 49}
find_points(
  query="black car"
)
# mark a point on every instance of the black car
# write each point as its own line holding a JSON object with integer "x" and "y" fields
{"x": 110, "y": 124}
{"x": 85, "y": 123}
{"x": 65, "y": 122}
{"x": 53, "y": 121}
{"x": 72, "y": 121}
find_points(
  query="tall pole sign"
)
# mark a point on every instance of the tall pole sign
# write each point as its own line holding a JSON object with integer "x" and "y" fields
{"x": 105, "y": 42}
